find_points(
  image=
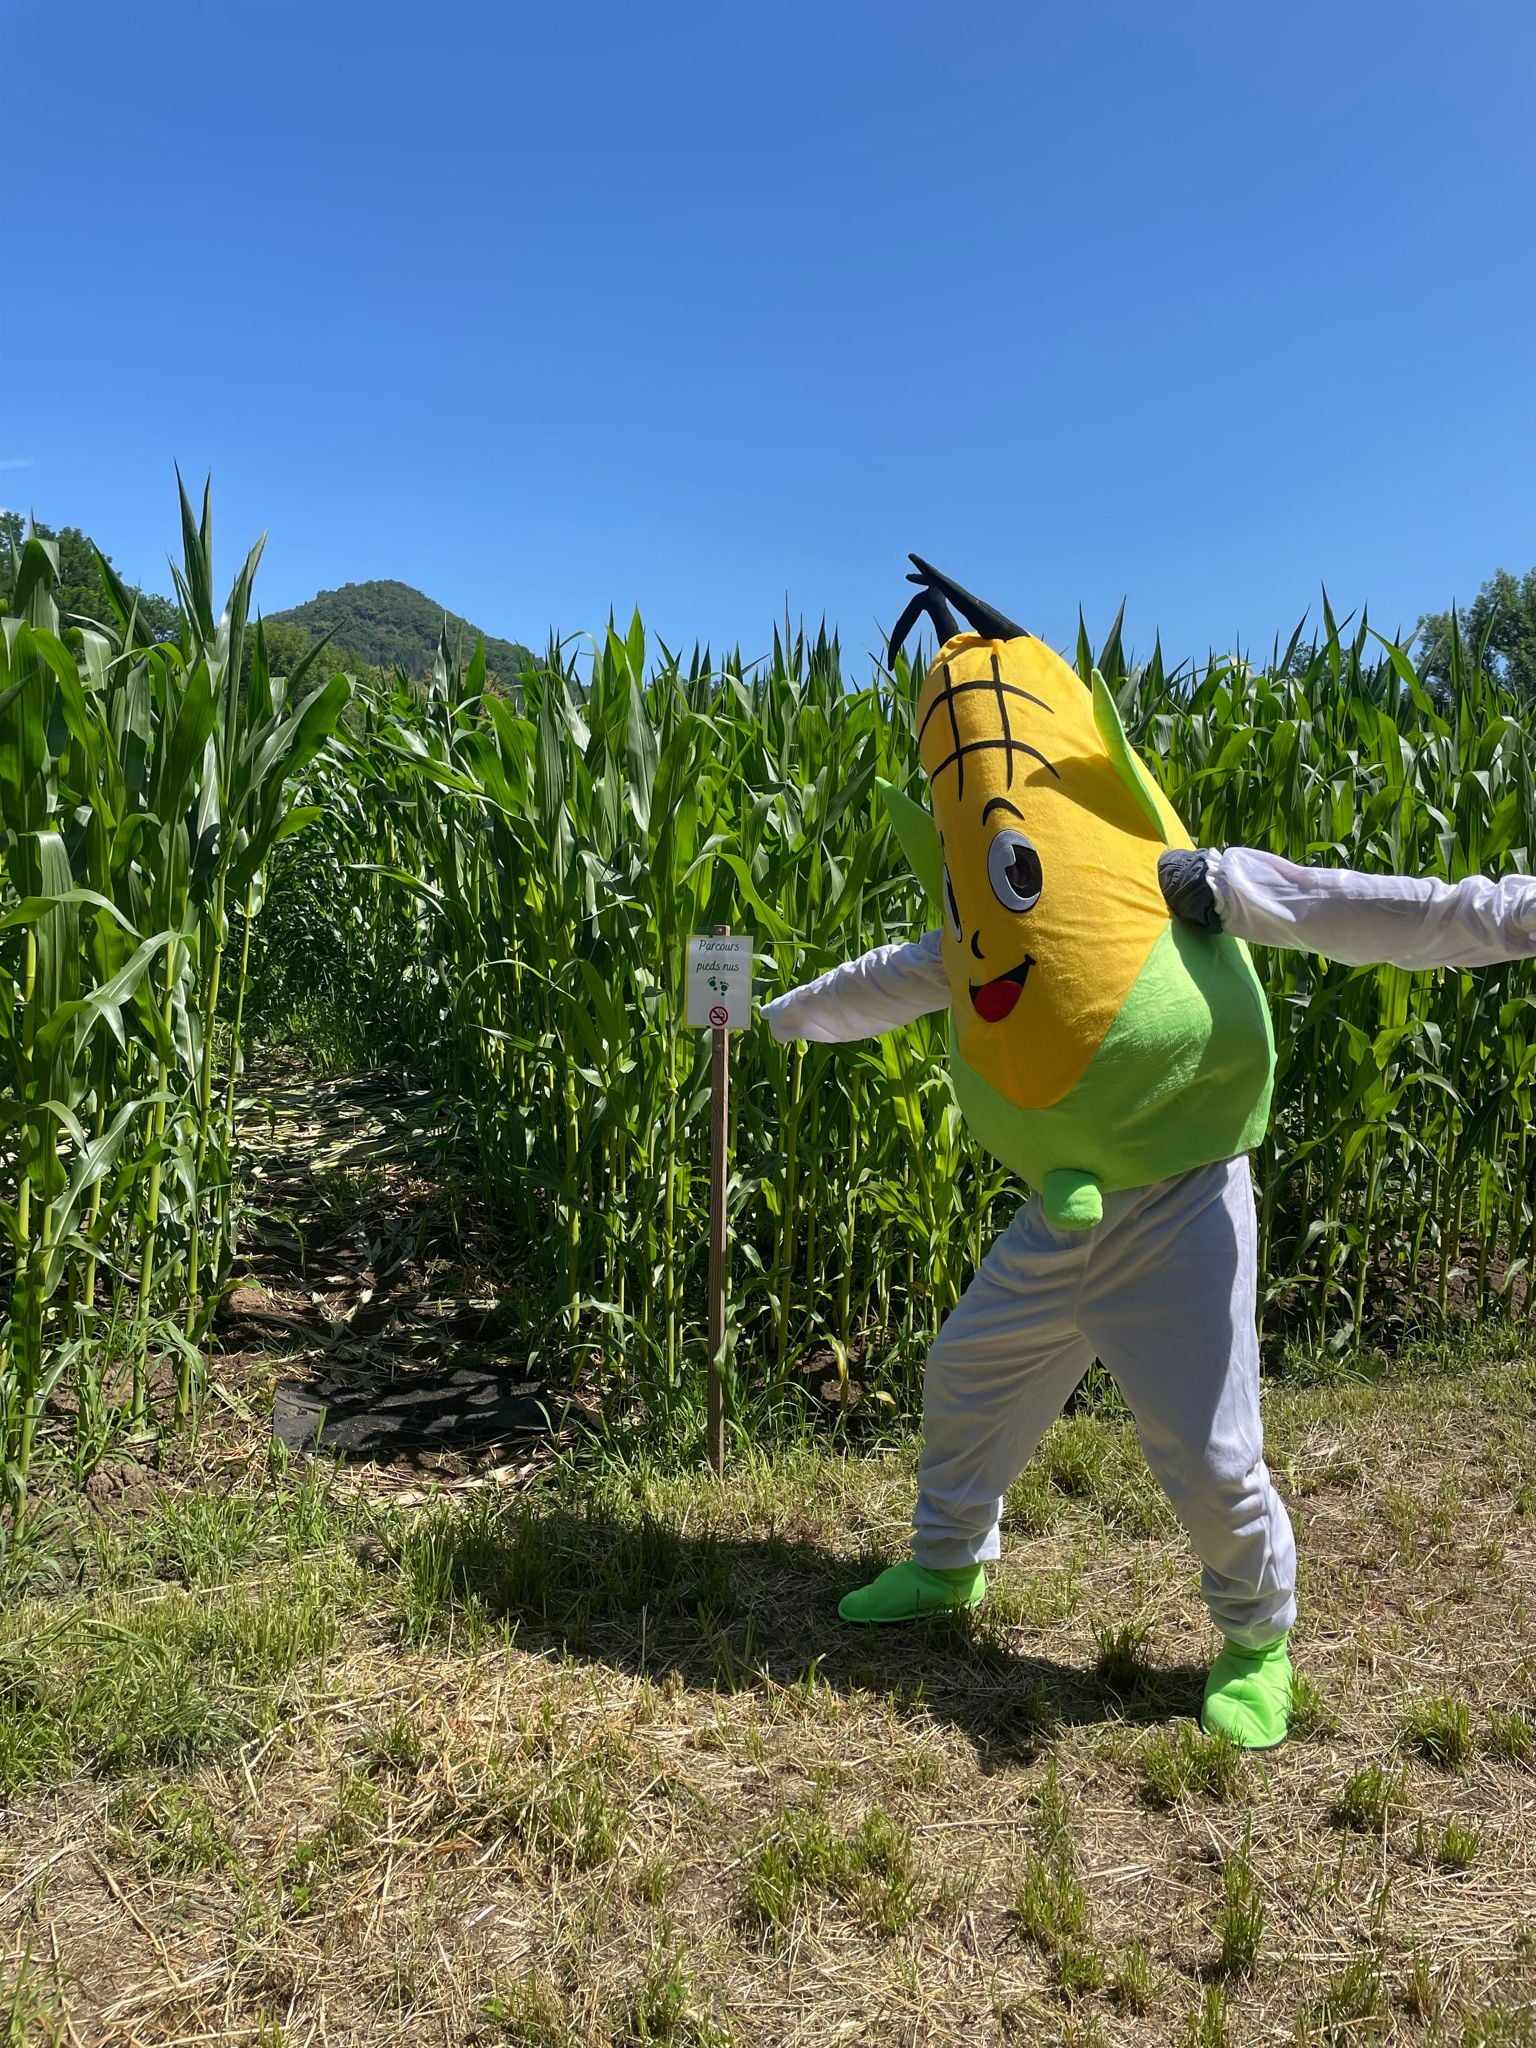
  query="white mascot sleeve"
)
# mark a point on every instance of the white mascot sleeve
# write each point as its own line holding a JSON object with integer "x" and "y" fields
{"x": 878, "y": 992}
{"x": 1361, "y": 920}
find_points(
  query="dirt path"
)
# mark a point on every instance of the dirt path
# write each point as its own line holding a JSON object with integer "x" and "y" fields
{"x": 379, "y": 1289}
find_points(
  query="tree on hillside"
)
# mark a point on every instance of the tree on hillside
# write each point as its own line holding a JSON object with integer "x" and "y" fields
{"x": 287, "y": 645}
{"x": 79, "y": 588}
{"x": 1504, "y": 611}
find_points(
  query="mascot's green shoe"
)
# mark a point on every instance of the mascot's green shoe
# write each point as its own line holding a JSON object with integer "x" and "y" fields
{"x": 908, "y": 1592}
{"x": 1248, "y": 1695}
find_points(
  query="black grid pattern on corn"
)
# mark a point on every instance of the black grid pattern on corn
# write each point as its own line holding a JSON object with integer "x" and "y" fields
{"x": 1011, "y": 746}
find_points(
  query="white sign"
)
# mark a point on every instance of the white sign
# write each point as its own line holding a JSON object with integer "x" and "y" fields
{"x": 720, "y": 983}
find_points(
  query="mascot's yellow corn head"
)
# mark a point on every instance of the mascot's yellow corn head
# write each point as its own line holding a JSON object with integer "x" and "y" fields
{"x": 1095, "y": 1044}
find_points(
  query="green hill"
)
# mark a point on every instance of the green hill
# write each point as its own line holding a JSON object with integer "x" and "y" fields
{"x": 390, "y": 625}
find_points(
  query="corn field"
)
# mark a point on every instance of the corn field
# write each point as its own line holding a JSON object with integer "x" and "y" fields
{"x": 503, "y": 886}
{"x": 493, "y": 889}
{"x": 144, "y": 787}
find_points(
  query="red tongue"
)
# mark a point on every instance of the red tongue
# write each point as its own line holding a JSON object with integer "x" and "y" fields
{"x": 996, "y": 999}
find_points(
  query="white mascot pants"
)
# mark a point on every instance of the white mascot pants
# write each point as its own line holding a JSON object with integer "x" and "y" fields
{"x": 1162, "y": 1293}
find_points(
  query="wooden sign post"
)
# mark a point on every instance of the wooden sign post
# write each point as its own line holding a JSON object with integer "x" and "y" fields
{"x": 720, "y": 1001}
{"x": 719, "y": 1176}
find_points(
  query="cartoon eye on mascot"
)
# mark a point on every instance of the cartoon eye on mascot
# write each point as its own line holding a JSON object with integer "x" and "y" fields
{"x": 1110, "y": 1044}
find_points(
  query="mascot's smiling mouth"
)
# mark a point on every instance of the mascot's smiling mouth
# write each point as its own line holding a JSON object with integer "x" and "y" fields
{"x": 994, "y": 999}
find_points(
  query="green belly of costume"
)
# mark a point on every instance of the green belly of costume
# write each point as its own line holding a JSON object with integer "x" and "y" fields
{"x": 1182, "y": 1078}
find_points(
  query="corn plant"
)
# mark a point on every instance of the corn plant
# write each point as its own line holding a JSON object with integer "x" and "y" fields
{"x": 145, "y": 786}
{"x": 496, "y": 890}
{"x": 510, "y": 881}
{"x": 1398, "y": 1152}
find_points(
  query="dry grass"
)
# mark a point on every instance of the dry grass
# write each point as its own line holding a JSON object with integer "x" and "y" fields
{"x": 598, "y": 1764}
{"x": 589, "y": 1759}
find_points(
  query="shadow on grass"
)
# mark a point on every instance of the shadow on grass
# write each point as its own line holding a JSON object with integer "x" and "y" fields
{"x": 747, "y": 1614}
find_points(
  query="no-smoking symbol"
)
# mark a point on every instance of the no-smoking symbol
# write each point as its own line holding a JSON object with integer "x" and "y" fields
{"x": 719, "y": 1016}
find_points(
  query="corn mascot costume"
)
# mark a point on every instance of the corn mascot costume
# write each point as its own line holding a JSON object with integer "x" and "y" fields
{"x": 1110, "y": 1043}
{"x": 1096, "y": 1045}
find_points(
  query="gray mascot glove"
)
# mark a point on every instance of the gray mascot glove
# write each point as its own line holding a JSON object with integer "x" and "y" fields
{"x": 1187, "y": 890}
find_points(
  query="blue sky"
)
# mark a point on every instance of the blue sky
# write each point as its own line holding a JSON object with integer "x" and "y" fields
{"x": 547, "y": 310}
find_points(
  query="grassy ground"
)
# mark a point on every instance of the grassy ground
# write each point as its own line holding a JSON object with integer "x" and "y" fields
{"x": 596, "y": 1762}
{"x": 582, "y": 1755}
